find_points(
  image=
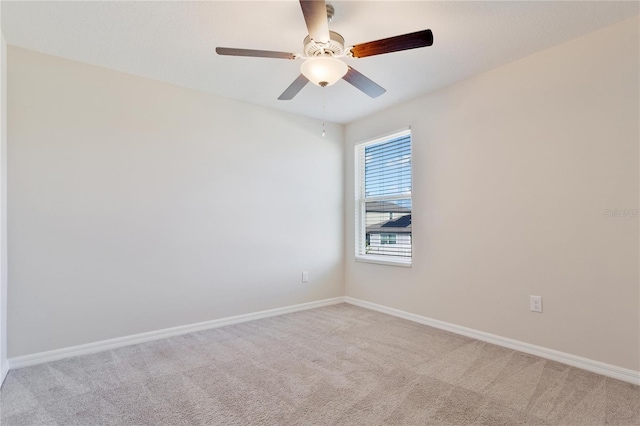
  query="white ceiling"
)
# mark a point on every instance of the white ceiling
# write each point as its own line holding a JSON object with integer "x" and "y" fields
{"x": 175, "y": 42}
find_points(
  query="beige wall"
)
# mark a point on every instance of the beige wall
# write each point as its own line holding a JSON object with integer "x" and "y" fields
{"x": 513, "y": 172}
{"x": 4, "y": 366}
{"x": 135, "y": 205}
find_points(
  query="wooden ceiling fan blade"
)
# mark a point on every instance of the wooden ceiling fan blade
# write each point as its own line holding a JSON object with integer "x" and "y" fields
{"x": 393, "y": 44}
{"x": 294, "y": 88}
{"x": 363, "y": 83}
{"x": 315, "y": 16}
{"x": 229, "y": 51}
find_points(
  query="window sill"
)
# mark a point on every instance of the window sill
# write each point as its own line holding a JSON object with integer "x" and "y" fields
{"x": 384, "y": 260}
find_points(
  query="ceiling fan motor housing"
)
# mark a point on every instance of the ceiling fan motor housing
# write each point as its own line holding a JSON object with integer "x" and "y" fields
{"x": 334, "y": 47}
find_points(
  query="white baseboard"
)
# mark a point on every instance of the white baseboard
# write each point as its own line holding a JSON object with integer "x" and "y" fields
{"x": 598, "y": 367}
{"x": 104, "y": 345}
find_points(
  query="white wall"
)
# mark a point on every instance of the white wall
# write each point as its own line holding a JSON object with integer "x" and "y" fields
{"x": 513, "y": 172}
{"x": 4, "y": 366}
{"x": 137, "y": 205}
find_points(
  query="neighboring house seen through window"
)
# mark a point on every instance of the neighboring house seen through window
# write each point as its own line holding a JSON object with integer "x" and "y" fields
{"x": 383, "y": 199}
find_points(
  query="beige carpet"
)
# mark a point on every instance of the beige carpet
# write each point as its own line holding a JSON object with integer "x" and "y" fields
{"x": 335, "y": 365}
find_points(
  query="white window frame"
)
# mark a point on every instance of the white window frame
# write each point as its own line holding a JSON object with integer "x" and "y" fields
{"x": 361, "y": 201}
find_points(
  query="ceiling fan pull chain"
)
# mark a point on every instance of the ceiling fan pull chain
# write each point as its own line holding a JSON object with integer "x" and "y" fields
{"x": 323, "y": 104}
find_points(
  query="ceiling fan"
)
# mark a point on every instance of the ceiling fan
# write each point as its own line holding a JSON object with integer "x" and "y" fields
{"x": 323, "y": 48}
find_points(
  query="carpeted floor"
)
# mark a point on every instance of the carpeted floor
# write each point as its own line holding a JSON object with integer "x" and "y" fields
{"x": 335, "y": 365}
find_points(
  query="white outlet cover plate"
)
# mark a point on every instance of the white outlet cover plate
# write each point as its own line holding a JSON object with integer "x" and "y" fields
{"x": 535, "y": 303}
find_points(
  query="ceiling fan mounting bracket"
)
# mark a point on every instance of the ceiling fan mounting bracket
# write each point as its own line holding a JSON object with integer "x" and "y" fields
{"x": 330, "y": 12}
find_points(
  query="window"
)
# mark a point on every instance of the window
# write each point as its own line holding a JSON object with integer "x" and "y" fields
{"x": 383, "y": 200}
{"x": 387, "y": 238}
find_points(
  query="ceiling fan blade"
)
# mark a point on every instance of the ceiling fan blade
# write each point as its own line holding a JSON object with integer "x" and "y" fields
{"x": 294, "y": 88}
{"x": 363, "y": 83}
{"x": 315, "y": 16}
{"x": 393, "y": 44}
{"x": 254, "y": 53}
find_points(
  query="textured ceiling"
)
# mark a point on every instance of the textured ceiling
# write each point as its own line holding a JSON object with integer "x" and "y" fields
{"x": 175, "y": 42}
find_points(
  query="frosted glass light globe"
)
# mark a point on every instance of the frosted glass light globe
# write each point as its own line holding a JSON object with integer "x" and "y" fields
{"x": 323, "y": 70}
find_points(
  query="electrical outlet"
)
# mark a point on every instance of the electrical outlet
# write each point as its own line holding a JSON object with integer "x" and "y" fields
{"x": 305, "y": 276}
{"x": 535, "y": 303}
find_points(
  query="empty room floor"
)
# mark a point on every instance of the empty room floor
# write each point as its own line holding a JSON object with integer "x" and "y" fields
{"x": 339, "y": 364}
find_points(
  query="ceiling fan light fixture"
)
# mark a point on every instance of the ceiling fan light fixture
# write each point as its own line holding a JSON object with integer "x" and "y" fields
{"x": 323, "y": 70}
